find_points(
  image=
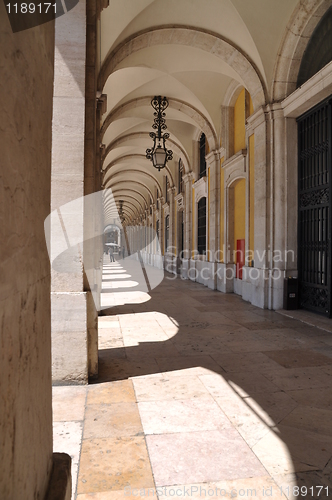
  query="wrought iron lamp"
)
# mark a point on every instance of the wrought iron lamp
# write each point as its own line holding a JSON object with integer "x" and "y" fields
{"x": 158, "y": 154}
{"x": 121, "y": 214}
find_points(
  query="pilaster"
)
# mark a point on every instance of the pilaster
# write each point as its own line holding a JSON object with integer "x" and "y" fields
{"x": 69, "y": 302}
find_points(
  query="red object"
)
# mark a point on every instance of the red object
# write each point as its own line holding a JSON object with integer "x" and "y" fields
{"x": 240, "y": 257}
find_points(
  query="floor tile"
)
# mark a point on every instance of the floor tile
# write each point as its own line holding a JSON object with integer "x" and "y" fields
{"x": 113, "y": 464}
{"x": 249, "y": 425}
{"x": 121, "y": 391}
{"x": 273, "y": 405}
{"x": 255, "y": 382}
{"x": 189, "y": 365}
{"x": 201, "y": 457}
{"x": 225, "y": 395}
{"x": 295, "y": 358}
{"x": 67, "y": 438}
{"x": 258, "y": 488}
{"x": 152, "y": 350}
{"x": 68, "y": 402}
{"x": 299, "y": 378}
{"x": 112, "y": 421}
{"x": 190, "y": 415}
{"x": 117, "y": 369}
{"x": 313, "y": 419}
{"x": 237, "y": 362}
{"x": 169, "y": 388}
{"x": 290, "y": 450}
{"x": 133, "y": 493}
{"x": 218, "y": 386}
{"x": 311, "y": 397}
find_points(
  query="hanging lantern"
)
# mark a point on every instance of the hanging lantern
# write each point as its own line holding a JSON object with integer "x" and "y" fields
{"x": 159, "y": 154}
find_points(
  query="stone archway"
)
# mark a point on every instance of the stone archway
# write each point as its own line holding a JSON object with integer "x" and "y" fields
{"x": 300, "y": 27}
{"x": 194, "y": 37}
{"x": 126, "y": 158}
{"x": 202, "y": 123}
{"x": 126, "y": 139}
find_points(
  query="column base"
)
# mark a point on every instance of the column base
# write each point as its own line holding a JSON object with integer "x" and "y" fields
{"x": 59, "y": 487}
{"x": 69, "y": 337}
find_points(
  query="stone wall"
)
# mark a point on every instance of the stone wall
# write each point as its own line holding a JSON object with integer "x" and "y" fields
{"x": 69, "y": 299}
{"x": 26, "y": 62}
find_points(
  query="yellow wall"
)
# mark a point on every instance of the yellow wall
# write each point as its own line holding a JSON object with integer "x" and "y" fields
{"x": 208, "y": 221}
{"x": 252, "y": 192}
{"x": 251, "y": 106}
{"x": 239, "y": 211}
{"x": 193, "y": 223}
{"x": 162, "y": 229}
{"x": 222, "y": 213}
{"x": 239, "y": 123}
{"x": 175, "y": 218}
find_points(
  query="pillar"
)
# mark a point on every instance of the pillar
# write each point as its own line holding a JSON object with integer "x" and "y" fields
{"x": 259, "y": 125}
{"x": 70, "y": 301}
{"x": 213, "y": 169}
{"x": 187, "y": 244}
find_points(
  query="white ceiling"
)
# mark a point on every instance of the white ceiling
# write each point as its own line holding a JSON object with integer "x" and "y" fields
{"x": 182, "y": 72}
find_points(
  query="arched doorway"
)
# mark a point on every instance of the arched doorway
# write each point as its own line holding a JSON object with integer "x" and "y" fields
{"x": 237, "y": 230}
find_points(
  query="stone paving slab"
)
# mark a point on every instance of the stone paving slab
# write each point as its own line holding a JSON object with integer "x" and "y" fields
{"x": 198, "y": 389}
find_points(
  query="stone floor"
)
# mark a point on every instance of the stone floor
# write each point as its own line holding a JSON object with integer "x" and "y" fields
{"x": 200, "y": 395}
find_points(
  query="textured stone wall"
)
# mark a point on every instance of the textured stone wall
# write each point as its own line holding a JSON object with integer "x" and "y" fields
{"x": 26, "y": 65}
{"x": 69, "y": 298}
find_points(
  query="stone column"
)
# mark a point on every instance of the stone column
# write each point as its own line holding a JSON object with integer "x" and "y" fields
{"x": 69, "y": 300}
{"x": 283, "y": 216}
{"x": 187, "y": 243}
{"x": 227, "y": 128}
{"x": 172, "y": 235}
{"x": 213, "y": 166}
{"x": 161, "y": 228}
{"x": 26, "y": 88}
{"x": 258, "y": 124}
{"x": 153, "y": 220}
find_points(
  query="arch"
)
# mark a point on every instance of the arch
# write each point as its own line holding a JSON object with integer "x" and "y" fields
{"x": 173, "y": 103}
{"x": 318, "y": 52}
{"x": 141, "y": 172}
{"x": 126, "y": 190}
{"x": 234, "y": 179}
{"x": 134, "y": 181}
{"x": 128, "y": 211}
{"x": 232, "y": 93}
{"x": 236, "y": 221}
{"x": 195, "y": 37}
{"x": 201, "y": 225}
{"x": 124, "y": 158}
{"x": 131, "y": 206}
{"x": 298, "y": 32}
{"x": 115, "y": 196}
{"x": 145, "y": 135}
{"x": 111, "y": 226}
{"x": 107, "y": 207}
{"x": 202, "y": 155}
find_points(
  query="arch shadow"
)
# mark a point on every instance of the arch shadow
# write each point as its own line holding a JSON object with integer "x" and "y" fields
{"x": 266, "y": 370}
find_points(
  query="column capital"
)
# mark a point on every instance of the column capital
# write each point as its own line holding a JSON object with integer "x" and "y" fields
{"x": 188, "y": 177}
{"x": 101, "y": 102}
{"x": 255, "y": 120}
{"x": 101, "y": 5}
{"x": 212, "y": 157}
{"x": 274, "y": 110}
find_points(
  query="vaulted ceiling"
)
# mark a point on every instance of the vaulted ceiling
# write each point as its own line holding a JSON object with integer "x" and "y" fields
{"x": 191, "y": 51}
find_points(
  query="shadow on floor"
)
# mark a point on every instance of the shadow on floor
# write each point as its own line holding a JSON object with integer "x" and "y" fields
{"x": 277, "y": 367}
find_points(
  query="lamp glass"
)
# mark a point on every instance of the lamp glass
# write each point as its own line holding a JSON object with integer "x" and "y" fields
{"x": 159, "y": 157}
